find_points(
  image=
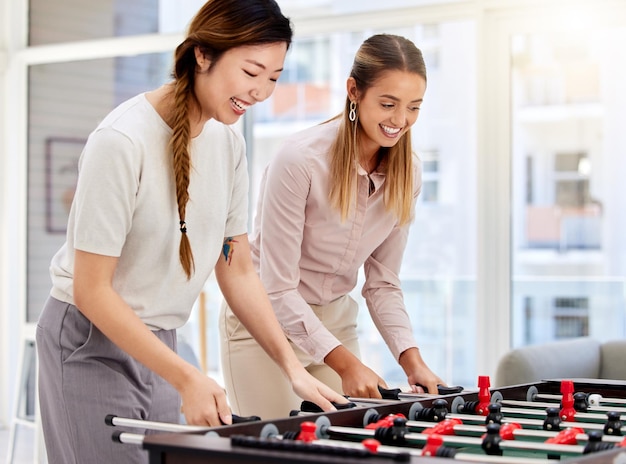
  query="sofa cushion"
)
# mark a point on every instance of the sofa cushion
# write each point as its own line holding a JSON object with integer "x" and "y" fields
{"x": 563, "y": 359}
{"x": 613, "y": 360}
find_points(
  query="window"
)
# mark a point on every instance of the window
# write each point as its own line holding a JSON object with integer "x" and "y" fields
{"x": 571, "y": 317}
{"x": 567, "y": 184}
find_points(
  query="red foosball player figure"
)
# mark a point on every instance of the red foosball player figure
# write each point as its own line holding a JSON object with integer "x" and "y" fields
{"x": 480, "y": 407}
{"x": 386, "y": 421}
{"x": 484, "y": 395}
{"x": 567, "y": 401}
{"x": 433, "y": 443}
{"x": 307, "y": 432}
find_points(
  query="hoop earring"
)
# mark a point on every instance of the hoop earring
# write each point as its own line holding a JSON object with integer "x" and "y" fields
{"x": 352, "y": 114}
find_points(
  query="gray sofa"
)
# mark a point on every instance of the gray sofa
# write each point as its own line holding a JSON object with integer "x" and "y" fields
{"x": 573, "y": 358}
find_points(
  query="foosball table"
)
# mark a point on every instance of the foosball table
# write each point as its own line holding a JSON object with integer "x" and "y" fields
{"x": 576, "y": 421}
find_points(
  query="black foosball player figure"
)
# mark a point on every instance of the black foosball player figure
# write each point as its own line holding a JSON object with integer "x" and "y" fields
{"x": 495, "y": 415}
{"x": 436, "y": 413}
{"x": 614, "y": 424}
{"x": 581, "y": 403}
{"x": 552, "y": 422}
{"x": 491, "y": 440}
{"x": 595, "y": 443}
{"x": 394, "y": 435}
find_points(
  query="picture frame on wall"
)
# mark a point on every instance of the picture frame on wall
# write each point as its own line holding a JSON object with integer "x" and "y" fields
{"x": 62, "y": 154}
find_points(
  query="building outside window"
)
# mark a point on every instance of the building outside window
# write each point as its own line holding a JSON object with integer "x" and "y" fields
{"x": 568, "y": 255}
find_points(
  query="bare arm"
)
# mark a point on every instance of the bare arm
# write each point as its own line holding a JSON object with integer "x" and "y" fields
{"x": 248, "y": 300}
{"x": 203, "y": 399}
{"x": 357, "y": 379}
{"x": 418, "y": 373}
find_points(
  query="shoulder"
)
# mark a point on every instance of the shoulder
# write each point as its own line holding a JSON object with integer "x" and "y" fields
{"x": 134, "y": 120}
{"x": 134, "y": 112}
{"x": 318, "y": 137}
{"x": 309, "y": 144}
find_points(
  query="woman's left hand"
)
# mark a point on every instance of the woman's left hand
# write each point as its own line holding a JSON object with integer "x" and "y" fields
{"x": 425, "y": 381}
{"x": 420, "y": 377}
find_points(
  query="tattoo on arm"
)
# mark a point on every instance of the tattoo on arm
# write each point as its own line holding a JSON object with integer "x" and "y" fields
{"x": 228, "y": 248}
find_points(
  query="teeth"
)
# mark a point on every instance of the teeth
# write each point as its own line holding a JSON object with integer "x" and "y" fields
{"x": 239, "y": 104}
{"x": 390, "y": 130}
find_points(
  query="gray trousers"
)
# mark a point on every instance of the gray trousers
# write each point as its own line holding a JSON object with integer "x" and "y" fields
{"x": 83, "y": 377}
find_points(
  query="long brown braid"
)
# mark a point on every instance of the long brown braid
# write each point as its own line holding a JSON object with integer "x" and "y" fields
{"x": 182, "y": 164}
{"x": 217, "y": 27}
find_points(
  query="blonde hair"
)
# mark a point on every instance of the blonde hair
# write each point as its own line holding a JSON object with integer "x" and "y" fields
{"x": 377, "y": 55}
{"x": 217, "y": 27}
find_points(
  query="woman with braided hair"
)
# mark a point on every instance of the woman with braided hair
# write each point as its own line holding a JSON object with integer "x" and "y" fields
{"x": 160, "y": 203}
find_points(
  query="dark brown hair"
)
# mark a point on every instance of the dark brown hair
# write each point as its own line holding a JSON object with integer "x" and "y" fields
{"x": 219, "y": 26}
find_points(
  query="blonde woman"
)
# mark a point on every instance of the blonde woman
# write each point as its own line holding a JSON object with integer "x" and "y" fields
{"x": 336, "y": 197}
{"x": 162, "y": 191}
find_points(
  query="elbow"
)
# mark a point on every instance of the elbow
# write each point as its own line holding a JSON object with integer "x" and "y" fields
{"x": 86, "y": 291}
{"x": 79, "y": 294}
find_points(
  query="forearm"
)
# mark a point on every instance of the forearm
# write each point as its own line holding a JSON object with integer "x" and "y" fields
{"x": 411, "y": 361}
{"x": 118, "y": 322}
{"x": 357, "y": 379}
{"x": 341, "y": 360}
{"x": 255, "y": 312}
{"x": 385, "y": 300}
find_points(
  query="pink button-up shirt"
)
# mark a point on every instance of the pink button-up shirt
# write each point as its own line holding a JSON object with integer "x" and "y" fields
{"x": 306, "y": 255}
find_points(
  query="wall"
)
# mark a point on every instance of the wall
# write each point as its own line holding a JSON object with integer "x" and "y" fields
{"x": 12, "y": 21}
{"x": 3, "y": 210}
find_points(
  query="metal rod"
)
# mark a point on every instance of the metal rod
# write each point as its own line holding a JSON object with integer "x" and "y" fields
{"x": 151, "y": 425}
{"x": 538, "y": 404}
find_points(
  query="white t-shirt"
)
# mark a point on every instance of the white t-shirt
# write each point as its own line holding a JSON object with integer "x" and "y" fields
{"x": 125, "y": 206}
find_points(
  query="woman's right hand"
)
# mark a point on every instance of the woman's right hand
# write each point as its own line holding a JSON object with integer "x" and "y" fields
{"x": 204, "y": 402}
{"x": 357, "y": 380}
{"x": 360, "y": 381}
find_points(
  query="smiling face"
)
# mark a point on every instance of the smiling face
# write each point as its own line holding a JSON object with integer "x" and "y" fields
{"x": 241, "y": 77}
{"x": 388, "y": 108}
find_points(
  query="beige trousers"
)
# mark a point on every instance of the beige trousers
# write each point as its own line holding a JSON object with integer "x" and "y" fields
{"x": 254, "y": 383}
